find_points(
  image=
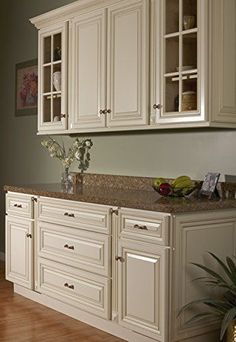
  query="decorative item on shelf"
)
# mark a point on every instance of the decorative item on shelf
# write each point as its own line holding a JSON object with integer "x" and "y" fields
{"x": 79, "y": 151}
{"x": 180, "y": 187}
{"x": 189, "y": 100}
{"x": 57, "y": 54}
{"x": 57, "y": 80}
{"x": 188, "y": 22}
{"x": 222, "y": 303}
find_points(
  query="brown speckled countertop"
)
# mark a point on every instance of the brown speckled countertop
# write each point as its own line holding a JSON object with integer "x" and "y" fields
{"x": 126, "y": 197}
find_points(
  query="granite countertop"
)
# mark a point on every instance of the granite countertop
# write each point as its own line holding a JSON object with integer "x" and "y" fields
{"x": 129, "y": 198}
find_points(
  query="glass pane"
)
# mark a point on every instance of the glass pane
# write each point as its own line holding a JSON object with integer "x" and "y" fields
{"x": 47, "y": 79}
{"x": 57, "y": 77}
{"x": 56, "y": 108}
{"x": 172, "y": 95}
{"x": 47, "y": 109}
{"x": 189, "y": 95}
{"x": 189, "y": 14}
{"x": 57, "y": 47}
{"x": 172, "y": 54}
{"x": 172, "y": 16}
{"x": 47, "y": 50}
{"x": 189, "y": 51}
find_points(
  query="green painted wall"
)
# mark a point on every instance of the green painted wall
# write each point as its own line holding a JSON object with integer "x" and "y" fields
{"x": 165, "y": 153}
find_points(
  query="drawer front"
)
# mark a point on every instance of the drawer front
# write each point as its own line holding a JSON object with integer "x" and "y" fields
{"x": 75, "y": 247}
{"x": 19, "y": 205}
{"x": 80, "y": 289}
{"x": 75, "y": 214}
{"x": 144, "y": 225}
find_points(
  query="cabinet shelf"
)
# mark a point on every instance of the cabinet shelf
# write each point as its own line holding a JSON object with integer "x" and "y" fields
{"x": 52, "y": 63}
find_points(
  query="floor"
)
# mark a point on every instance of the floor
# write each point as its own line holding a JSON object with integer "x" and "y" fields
{"x": 22, "y": 320}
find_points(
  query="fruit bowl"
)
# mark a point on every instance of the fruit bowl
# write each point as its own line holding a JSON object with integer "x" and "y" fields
{"x": 179, "y": 187}
{"x": 177, "y": 193}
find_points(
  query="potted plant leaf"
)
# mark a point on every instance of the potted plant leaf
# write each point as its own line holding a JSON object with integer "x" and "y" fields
{"x": 223, "y": 305}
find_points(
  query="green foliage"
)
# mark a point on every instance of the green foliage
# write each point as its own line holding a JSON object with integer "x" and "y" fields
{"x": 79, "y": 151}
{"x": 223, "y": 306}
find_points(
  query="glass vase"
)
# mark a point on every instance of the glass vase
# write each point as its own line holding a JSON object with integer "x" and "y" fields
{"x": 66, "y": 179}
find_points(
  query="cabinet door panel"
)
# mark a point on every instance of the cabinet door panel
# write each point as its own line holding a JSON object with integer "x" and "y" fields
{"x": 52, "y": 104}
{"x": 223, "y": 58}
{"x": 89, "y": 71}
{"x": 195, "y": 235}
{"x": 19, "y": 263}
{"x": 127, "y": 63}
{"x": 143, "y": 285}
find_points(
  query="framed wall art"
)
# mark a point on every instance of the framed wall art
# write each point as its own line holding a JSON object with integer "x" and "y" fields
{"x": 26, "y": 88}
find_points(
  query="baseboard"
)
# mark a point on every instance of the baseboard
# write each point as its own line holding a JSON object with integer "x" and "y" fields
{"x": 2, "y": 256}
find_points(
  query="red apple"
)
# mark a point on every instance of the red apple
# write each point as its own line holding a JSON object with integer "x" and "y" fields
{"x": 165, "y": 189}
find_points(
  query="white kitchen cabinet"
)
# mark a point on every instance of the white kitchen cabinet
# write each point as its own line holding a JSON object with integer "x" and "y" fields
{"x": 88, "y": 70}
{"x": 195, "y": 236}
{"x": 110, "y": 66}
{"x": 143, "y": 288}
{"x": 52, "y": 97}
{"x": 126, "y": 271}
{"x": 107, "y": 63}
{"x": 179, "y": 61}
{"x": 19, "y": 251}
{"x": 193, "y": 64}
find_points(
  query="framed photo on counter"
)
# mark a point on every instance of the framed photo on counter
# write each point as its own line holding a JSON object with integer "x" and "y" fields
{"x": 209, "y": 185}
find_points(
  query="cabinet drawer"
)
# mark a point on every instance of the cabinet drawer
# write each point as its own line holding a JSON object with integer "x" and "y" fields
{"x": 78, "y": 288}
{"x": 75, "y": 214}
{"x": 144, "y": 225}
{"x": 75, "y": 247}
{"x": 19, "y": 205}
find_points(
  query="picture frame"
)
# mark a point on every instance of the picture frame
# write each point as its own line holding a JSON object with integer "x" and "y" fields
{"x": 26, "y": 88}
{"x": 209, "y": 185}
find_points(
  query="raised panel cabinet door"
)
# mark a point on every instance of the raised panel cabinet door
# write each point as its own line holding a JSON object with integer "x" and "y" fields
{"x": 223, "y": 60}
{"x": 179, "y": 68}
{"x": 128, "y": 51}
{"x": 19, "y": 262}
{"x": 195, "y": 236}
{"x": 53, "y": 74}
{"x": 143, "y": 288}
{"x": 88, "y": 70}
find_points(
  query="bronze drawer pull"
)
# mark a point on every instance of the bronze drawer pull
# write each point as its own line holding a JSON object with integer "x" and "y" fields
{"x": 119, "y": 258}
{"x": 69, "y": 286}
{"x": 137, "y": 226}
{"x": 18, "y": 205}
{"x": 69, "y": 215}
{"x": 69, "y": 247}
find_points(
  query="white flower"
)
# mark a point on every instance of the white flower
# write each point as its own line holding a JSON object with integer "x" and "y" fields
{"x": 88, "y": 143}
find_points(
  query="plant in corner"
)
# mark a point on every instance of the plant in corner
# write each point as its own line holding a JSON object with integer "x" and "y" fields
{"x": 79, "y": 151}
{"x": 223, "y": 305}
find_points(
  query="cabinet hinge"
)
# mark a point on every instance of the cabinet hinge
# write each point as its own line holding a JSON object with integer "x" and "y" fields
{"x": 114, "y": 211}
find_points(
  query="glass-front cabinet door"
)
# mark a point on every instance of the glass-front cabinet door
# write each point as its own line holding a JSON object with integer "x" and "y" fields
{"x": 180, "y": 96}
{"x": 52, "y": 79}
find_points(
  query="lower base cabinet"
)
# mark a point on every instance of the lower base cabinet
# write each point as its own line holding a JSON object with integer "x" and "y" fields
{"x": 143, "y": 288}
{"x": 124, "y": 271}
{"x": 19, "y": 249}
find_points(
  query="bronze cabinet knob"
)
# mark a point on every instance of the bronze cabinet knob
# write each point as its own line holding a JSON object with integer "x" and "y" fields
{"x": 156, "y": 106}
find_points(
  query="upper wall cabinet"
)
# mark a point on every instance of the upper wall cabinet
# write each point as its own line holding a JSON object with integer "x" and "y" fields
{"x": 52, "y": 104}
{"x": 179, "y": 82}
{"x": 98, "y": 53}
{"x": 110, "y": 66}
